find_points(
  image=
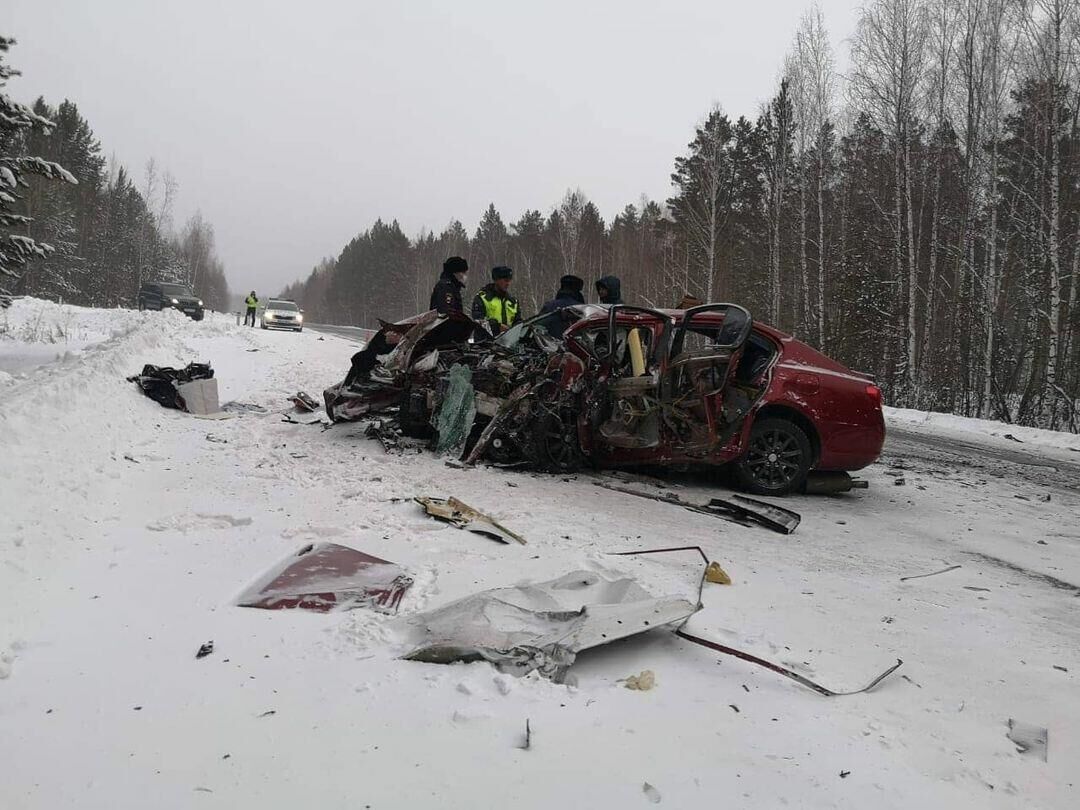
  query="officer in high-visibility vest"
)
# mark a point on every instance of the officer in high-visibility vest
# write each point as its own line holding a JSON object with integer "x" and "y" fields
{"x": 494, "y": 306}
{"x": 252, "y": 304}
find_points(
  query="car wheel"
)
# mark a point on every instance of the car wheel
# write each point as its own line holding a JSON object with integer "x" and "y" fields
{"x": 142, "y": 305}
{"x": 777, "y": 458}
{"x": 555, "y": 442}
{"x": 264, "y": 326}
{"x": 301, "y": 329}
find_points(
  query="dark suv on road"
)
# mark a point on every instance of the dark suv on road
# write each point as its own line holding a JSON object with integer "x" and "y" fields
{"x": 163, "y": 295}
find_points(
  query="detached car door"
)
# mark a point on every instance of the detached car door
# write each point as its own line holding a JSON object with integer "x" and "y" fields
{"x": 705, "y": 351}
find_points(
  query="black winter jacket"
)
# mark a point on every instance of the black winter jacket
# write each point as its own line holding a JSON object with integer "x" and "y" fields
{"x": 446, "y": 297}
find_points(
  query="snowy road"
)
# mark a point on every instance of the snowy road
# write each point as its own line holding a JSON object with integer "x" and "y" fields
{"x": 1055, "y": 470}
{"x": 127, "y": 530}
{"x": 353, "y": 333}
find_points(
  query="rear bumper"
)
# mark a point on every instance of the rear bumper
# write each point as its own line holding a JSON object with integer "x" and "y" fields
{"x": 852, "y": 447}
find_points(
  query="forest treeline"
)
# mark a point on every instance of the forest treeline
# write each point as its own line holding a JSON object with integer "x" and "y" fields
{"x": 80, "y": 228}
{"x": 918, "y": 218}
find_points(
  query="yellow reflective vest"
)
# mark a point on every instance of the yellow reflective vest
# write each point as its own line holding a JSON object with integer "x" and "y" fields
{"x": 499, "y": 309}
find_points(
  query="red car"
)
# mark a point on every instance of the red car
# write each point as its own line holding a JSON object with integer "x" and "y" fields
{"x": 625, "y": 386}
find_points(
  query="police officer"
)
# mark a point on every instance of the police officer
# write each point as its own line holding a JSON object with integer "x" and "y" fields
{"x": 494, "y": 306}
{"x": 252, "y": 304}
{"x": 446, "y": 297}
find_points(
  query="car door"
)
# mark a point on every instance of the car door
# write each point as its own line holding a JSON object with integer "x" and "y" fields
{"x": 704, "y": 355}
{"x": 630, "y": 352}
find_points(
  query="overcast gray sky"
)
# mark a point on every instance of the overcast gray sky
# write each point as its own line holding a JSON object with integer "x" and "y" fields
{"x": 293, "y": 125}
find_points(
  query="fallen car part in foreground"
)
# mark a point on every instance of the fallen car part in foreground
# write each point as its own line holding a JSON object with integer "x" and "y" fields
{"x": 457, "y": 513}
{"x": 326, "y": 576}
{"x": 304, "y": 402}
{"x": 782, "y": 670}
{"x": 542, "y": 626}
{"x": 719, "y": 576}
{"x": 192, "y": 388}
{"x": 740, "y": 509}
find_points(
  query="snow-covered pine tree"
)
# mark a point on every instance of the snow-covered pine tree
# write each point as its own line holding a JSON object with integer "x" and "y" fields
{"x": 16, "y": 120}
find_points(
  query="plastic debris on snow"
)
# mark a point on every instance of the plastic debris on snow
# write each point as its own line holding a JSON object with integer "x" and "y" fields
{"x": 540, "y": 627}
{"x": 326, "y": 576}
{"x": 457, "y": 513}
{"x": 641, "y": 683}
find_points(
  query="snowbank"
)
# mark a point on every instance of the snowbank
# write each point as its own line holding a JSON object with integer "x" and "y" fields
{"x": 984, "y": 429}
{"x": 35, "y": 332}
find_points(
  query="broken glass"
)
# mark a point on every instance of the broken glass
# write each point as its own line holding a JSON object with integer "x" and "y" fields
{"x": 454, "y": 420}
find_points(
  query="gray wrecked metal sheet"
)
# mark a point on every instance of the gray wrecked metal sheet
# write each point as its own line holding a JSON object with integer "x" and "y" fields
{"x": 542, "y": 626}
{"x": 457, "y": 513}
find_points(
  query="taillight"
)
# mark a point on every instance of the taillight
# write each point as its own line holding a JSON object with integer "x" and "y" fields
{"x": 874, "y": 393}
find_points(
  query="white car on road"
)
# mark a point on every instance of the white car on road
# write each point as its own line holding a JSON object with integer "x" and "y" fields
{"x": 279, "y": 314}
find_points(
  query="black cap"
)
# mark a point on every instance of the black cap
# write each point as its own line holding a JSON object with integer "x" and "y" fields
{"x": 572, "y": 283}
{"x": 501, "y": 272}
{"x": 455, "y": 264}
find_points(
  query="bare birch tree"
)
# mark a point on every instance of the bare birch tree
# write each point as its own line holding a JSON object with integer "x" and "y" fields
{"x": 815, "y": 69}
{"x": 888, "y": 53}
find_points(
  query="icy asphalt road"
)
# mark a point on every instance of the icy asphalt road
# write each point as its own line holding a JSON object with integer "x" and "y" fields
{"x": 1006, "y": 460}
{"x": 354, "y": 334}
{"x": 127, "y": 530}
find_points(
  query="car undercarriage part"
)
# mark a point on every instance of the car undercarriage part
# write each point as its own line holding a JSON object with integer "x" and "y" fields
{"x": 542, "y": 626}
{"x": 824, "y": 482}
{"x": 768, "y": 515}
{"x": 741, "y": 510}
{"x": 326, "y": 576}
{"x": 453, "y": 511}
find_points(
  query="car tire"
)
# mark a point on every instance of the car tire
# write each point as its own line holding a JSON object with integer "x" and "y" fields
{"x": 142, "y": 305}
{"x": 555, "y": 443}
{"x": 777, "y": 459}
{"x": 301, "y": 329}
{"x": 264, "y": 326}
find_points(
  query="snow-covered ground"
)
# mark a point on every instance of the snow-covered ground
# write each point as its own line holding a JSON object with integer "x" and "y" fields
{"x": 127, "y": 530}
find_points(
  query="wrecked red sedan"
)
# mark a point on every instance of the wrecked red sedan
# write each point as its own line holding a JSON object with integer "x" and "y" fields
{"x": 621, "y": 386}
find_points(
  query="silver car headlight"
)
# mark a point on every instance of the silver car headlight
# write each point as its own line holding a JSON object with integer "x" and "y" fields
{"x": 300, "y": 317}
{"x": 200, "y": 302}
{"x": 174, "y": 301}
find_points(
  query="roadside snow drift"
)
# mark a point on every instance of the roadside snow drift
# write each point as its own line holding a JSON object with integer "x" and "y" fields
{"x": 128, "y": 531}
